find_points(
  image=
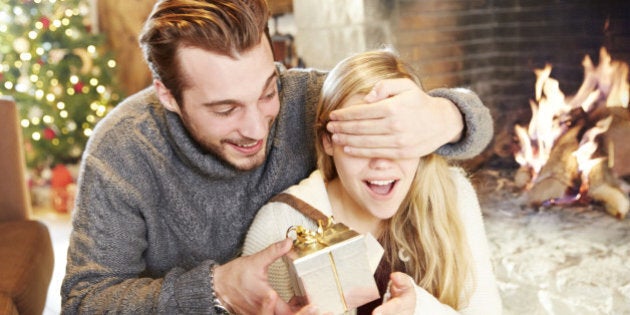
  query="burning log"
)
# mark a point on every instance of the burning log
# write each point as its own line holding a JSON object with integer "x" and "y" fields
{"x": 615, "y": 140}
{"x": 574, "y": 148}
{"x": 559, "y": 173}
{"x": 605, "y": 188}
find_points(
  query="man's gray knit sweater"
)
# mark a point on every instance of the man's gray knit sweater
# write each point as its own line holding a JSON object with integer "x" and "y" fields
{"x": 154, "y": 211}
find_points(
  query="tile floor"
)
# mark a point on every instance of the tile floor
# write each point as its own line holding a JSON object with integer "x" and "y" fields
{"x": 557, "y": 261}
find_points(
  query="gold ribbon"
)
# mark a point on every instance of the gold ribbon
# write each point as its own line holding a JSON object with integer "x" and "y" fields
{"x": 305, "y": 238}
{"x": 307, "y": 241}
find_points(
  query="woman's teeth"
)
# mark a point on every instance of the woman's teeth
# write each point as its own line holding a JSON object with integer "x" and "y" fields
{"x": 380, "y": 182}
{"x": 381, "y": 187}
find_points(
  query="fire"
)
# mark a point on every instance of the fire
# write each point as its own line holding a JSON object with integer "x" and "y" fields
{"x": 545, "y": 126}
{"x": 588, "y": 146}
{"x": 558, "y": 120}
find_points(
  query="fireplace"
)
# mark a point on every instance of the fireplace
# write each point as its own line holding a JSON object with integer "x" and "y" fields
{"x": 489, "y": 46}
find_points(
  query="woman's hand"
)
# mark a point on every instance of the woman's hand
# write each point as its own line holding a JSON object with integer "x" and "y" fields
{"x": 403, "y": 296}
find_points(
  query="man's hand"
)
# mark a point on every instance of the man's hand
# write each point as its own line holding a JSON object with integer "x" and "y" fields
{"x": 399, "y": 121}
{"x": 403, "y": 296}
{"x": 242, "y": 284}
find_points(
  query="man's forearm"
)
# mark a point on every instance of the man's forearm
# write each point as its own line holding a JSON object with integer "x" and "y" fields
{"x": 477, "y": 128}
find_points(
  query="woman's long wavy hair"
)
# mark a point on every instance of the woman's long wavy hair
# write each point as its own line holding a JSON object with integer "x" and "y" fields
{"x": 427, "y": 228}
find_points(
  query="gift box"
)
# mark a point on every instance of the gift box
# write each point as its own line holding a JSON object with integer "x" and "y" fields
{"x": 334, "y": 267}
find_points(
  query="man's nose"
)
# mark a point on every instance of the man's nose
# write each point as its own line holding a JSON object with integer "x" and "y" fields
{"x": 255, "y": 125}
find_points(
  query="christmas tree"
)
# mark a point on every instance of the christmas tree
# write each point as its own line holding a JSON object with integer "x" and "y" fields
{"x": 58, "y": 71}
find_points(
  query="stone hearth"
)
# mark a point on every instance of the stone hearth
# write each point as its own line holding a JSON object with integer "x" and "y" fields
{"x": 558, "y": 260}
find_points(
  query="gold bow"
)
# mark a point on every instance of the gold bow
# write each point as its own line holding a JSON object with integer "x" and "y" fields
{"x": 305, "y": 238}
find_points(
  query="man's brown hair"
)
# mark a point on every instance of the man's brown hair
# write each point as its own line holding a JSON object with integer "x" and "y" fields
{"x": 226, "y": 27}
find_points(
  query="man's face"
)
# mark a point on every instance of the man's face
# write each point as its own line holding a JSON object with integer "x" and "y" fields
{"x": 230, "y": 104}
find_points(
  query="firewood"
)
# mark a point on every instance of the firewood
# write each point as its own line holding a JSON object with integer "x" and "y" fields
{"x": 547, "y": 189}
{"x": 605, "y": 188}
{"x": 559, "y": 173}
{"x": 523, "y": 177}
{"x": 615, "y": 142}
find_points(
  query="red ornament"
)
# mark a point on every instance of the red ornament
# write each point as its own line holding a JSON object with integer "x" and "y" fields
{"x": 60, "y": 181}
{"x": 45, "y": 22}
{"x": 49, "y": 133}
{"x": 78, "y": 88}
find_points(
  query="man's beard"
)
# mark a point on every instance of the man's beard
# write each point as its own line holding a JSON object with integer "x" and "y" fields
{"x": 219, "y": 151}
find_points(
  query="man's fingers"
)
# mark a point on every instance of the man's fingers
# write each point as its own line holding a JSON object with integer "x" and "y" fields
{"x": 371, "y": 146}
{"x": 375, "y": 110}
{"x": 273, "y": 252}
{"x": 282, "y": 308}
{"x": 360, "y": 127}
{"x": 308, "y": 310}
{"x": 269, "y": 304}
{"x": 386, "y": 88}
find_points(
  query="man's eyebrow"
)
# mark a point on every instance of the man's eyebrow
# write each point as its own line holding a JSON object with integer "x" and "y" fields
{"x": 273, "y": 75}
{"x": 235, "y": 102}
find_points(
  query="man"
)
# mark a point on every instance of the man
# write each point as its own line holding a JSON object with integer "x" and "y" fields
{"x": 172, "y": 178}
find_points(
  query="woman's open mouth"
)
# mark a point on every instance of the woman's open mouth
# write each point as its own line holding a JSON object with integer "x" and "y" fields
{"x": 381, "y": 187}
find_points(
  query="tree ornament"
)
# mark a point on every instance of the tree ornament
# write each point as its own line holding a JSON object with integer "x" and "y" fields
{"x": 59, "y": 182}
{"x": 86, "y": 59}
{"x": 78, "y": 87}
{"x": 45, "y": 22}
{"x": 49, "y": 133}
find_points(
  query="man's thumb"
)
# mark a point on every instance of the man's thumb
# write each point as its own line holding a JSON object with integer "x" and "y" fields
{"x": 274, "y": 251}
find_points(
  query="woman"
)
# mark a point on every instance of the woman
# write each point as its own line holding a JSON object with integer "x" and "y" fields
{"x": 423, "y": 212}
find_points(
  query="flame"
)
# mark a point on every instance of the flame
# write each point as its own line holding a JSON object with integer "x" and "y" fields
{"x": 607, "y": 83}
{"x": 545, "y": 126}
{"x": 587, "y": 148}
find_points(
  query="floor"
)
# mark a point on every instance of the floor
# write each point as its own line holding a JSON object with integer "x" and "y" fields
{"x": 59, "y": 226}
{"x": 560, "y": 261}
{"x": 569, "y": 260}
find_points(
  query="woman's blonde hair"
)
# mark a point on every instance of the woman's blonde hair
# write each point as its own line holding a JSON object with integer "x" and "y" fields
{"x": 427, "y": 228}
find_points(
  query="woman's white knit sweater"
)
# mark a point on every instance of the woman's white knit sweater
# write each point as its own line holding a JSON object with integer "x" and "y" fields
{"x": 273, "y": 220}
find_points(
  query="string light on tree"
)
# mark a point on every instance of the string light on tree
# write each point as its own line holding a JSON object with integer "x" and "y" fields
{"x": 59, "y": 72}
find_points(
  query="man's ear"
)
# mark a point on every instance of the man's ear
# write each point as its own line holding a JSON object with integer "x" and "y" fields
{"x": 327, "y": 144}
{"x": 165, "y": 96}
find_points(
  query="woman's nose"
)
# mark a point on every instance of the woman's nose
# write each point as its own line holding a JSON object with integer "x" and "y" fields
{"x": 380, "y": 163}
